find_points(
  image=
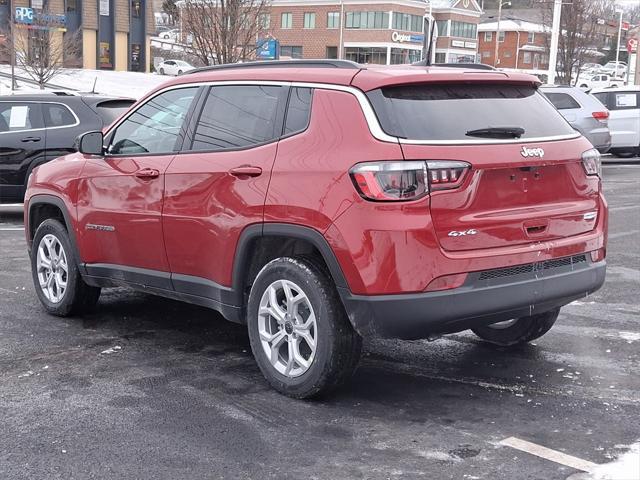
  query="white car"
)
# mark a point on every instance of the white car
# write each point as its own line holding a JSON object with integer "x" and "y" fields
{"x": 170, "y": 34}
{"x": 624, "y": 118}
{"x": 619, "y": 70}
{"x": 174, "y": 67}
{"x": 599, "y": 80}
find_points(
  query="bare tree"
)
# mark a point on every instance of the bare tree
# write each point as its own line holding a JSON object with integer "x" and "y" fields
{"x": 223, "y": 31}
{"x": 41, "y": 53}
{"x": 170, "y": 8}
{"x": 581, "y": 33}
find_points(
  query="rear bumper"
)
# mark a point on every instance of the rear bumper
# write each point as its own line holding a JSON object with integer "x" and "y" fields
{"x": 482, "y": 300}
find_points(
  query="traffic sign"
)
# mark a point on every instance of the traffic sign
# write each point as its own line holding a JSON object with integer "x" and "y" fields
{"x": 632, "y": 45}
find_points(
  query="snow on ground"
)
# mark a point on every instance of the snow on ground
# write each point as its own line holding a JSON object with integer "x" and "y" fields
{"x": 121, "y": 84}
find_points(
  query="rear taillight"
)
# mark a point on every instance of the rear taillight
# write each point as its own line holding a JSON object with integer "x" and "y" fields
{"x": 591, "y": 162}
{"x": 406, "y": 180}
{"x": 602, "y": 116}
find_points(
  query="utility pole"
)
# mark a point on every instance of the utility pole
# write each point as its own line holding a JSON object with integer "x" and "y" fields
{"x": 555, "y": 35}
{"x": 342, "y": 20}
{"x": 12, "y": 51}
{"x": 618, "y": 45}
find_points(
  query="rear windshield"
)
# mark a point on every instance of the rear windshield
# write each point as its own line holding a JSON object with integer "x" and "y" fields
{"x": 111, "y": 109}
{"x": 448, "y": 112}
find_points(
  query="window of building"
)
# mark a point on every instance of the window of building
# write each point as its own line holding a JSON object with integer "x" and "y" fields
{"x": 443, "y": 28}
{"x": 309, "y": 20}
{"x": 501, "y": 36}
{"x": 298, "y": 111}
{"x": 463, "y": 29}
{"x": 155, "y": 126}
{"x": 488, "y": 36}
{"x": 368, "y": 20}
{"x": 461, "y": 58}
{"x": 531, "y": 37}
{"x": 486, "y": 54}
{"x": 526, "y": 58}
{"x": 506, "y": 54}
{"x": 374, "y": 55}
{"x": 332, "y": 52}
{"x": 71, "y": 6}
{"x": 291, "y": 51}
{"x": 441, "y": 57}
{"x": 238, "y": 116}
{"x": 333, "y": 19}
{"x": 265, "y": 21}
{"x": 407, "y": 22}
{"x": 287, "y": 20}
{"x": 56, "y": 115}
{"x": 404, "y": 55}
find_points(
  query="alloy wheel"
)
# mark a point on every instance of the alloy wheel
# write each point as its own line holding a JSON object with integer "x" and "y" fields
{"x": 287, "y": 327}
{"x": 52, "y": 268}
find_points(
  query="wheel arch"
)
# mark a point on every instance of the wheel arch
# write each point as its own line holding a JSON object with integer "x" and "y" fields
{"x": 42, "y": 207}
{"x": 246, "y": 261}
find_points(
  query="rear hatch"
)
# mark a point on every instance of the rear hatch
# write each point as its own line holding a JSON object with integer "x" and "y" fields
{"x": 525, "y": 182}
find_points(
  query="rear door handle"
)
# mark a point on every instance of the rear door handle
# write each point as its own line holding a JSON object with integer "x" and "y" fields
{"x": 148, "y": 173}
{"x": 246, "y": 171}
{"x": 31, "y": 139}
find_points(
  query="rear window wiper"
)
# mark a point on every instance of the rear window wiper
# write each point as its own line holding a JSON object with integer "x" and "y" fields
{"x": 497, "y": 132}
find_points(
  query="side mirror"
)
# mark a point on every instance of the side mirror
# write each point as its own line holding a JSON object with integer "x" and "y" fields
{"x": 90, "y": 143}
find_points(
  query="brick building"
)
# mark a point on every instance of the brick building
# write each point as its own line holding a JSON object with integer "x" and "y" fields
{"x": 372, "y": 31}
{"x": 114, "y": 34}
{"x": 522, "y": 45}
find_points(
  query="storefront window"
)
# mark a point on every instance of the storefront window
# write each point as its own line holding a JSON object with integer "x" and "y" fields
{"x": 292, "y": 52}
{"x": 363, "y": 55}
{"x": 404, "y": 55}
{"x": 461, "y": 58}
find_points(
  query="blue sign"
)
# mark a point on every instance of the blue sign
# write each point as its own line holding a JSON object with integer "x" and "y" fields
{"x": 417, "y": 38}
{"x": 24, "y": 15}
{"x": 267, "y": 49}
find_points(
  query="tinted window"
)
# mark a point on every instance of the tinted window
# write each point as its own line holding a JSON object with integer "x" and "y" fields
{"x": 16, "y": 116}
{"x": 447, "y": 112}
{"x": 154, "y": 127}
{"x": 298, "y": 111}
{"x": 112, "y": 109}
{"x": 562, "y": 101}
{"x": 602, "y": 97}
{"x": 238, "y": 116}
{"x": 56, "y": 115}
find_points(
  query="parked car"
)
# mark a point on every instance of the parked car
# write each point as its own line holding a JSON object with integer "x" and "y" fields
{"x": 319, "y": 202}
{"x": 172, "y": 34}
{"x": 37, "y": 128}
{"x": 585, "y": 114}
{"x": 174, "y": 67}
{"x": 599, "y": 80}
{"x": 624, "y": 118}
{"x": 590, "y": 67}
{"x": 615, "y": 70}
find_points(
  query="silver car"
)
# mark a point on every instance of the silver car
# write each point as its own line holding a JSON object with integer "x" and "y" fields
{"x": 585, "y": 114}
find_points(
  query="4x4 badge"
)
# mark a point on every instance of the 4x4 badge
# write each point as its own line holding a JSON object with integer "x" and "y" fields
{"x": 532, "y": 152}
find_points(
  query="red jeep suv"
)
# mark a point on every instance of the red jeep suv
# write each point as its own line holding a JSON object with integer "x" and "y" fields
{"x": 320, "y": 202}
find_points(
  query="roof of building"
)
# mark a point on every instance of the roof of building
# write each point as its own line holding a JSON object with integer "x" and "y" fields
{"x": 508, "y": 25}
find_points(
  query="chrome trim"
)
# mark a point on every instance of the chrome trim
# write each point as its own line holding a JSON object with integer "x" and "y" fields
{"x": 370, "y": 116}
{"x": 43, "y": 128}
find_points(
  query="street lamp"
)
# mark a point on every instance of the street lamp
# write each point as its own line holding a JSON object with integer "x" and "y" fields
{"x": 496, "y": 61}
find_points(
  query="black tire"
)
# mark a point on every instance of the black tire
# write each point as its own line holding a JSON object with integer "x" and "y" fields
{"x": 338, "y": 346}
{"x": 179, "y": 72}
{"x": 78, "y": 297}
{"x": 161, "y": 71}
{"x": 523, "y": 330}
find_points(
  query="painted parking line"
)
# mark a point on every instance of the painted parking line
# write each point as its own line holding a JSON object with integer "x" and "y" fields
{"x": 11, "y": 229}
{"x": 549, "y": 454}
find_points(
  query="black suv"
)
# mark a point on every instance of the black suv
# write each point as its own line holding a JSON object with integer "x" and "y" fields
{"x": 37, "y": 128}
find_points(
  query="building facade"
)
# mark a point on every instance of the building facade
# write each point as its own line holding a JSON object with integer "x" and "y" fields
{"x": 522, "y": 46}
{"x": 112, "y": 34}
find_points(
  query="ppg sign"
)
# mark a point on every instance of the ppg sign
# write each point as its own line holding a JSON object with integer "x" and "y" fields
{"x": 24, "y": 15}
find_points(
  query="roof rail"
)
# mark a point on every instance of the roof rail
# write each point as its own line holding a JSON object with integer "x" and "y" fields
{"x": 471, "y": 66}
{"x": 322, "y": 63}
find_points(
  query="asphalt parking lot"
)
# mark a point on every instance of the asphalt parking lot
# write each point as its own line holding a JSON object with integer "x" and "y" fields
{"x": 151, "y": 388}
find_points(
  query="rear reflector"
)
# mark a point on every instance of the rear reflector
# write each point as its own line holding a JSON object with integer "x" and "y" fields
{"x": 598, "y": 255}
{"x": 447, "y": 282}
{"x": 601, "y": 115}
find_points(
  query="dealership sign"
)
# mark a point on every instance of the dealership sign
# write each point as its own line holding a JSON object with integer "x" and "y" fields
{"x": 267, "y": 49}
{"x": 404, "y": 37}
{"x": 26, "y": 17}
